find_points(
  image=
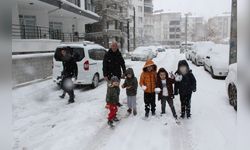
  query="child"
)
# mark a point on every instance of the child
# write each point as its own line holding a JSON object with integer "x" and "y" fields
{"x": 112, "y": 99}
{"x": 185, "y": 85}
{"x": 148, "y": 84}
{"x": 131, "y": 85}
{"x": 165, "y": 91}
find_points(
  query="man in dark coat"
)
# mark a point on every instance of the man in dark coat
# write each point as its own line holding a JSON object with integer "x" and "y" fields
{"x": 185, "y": 84}
{"x": 113, "y": 63}
{"x": 70, "y": 71}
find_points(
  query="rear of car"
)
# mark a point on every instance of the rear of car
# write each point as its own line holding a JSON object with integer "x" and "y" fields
{"x": 141, "y": 54}
{"x": 89, "y": 68}
{"x": 201, "y": 49}
{"x": 219, "y": 61}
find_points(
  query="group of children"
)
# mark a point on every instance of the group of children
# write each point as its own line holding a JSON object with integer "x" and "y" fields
{"x": 152, "y": 83}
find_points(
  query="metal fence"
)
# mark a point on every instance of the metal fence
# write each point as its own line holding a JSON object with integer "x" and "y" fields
{"x": 39, "y": 32}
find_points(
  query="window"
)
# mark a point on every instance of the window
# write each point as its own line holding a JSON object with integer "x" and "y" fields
{"x": 77, "y": 53}
{"x": 28, "y": 26}
{"x": 174, "y": 22}
{"x": 97, "y": 54}
{"x": 140, "y": 8}
{"x": 174, "y": 29}
{"x": 140, "y": 20}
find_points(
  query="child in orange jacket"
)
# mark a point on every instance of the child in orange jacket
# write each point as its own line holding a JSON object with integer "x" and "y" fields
{"x": 148, "y": 84}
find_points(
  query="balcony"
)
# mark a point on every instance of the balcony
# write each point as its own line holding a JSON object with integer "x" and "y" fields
{"x": 106, "y": 32}
{"x": 38, "y": 32}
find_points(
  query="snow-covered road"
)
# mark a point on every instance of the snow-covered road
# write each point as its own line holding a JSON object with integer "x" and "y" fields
{"x": 42, "y": 121}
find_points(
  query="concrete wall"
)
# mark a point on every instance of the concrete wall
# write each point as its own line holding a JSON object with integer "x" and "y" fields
{"x": 34, "y": 45}
{"x": 30, "y": 67}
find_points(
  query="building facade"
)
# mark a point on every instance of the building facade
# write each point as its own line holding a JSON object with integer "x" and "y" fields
{"x": 136, "y": 18}
{"x": 167, "y": 29}
{"x": 112, "y": 26}
{"x": 148, "y": 23}
{"x": 195, "y": 28}
{"x": 44, "y": 22}
{"x": 219, "y": 27}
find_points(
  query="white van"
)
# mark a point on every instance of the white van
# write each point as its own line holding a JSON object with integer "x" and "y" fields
{"x": 89, "y": 67}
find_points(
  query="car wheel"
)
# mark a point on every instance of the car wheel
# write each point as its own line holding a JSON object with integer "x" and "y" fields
{"x": 232, "y": 94}
{"x": 95, "y": 81}
{"x": 212, "y": 73}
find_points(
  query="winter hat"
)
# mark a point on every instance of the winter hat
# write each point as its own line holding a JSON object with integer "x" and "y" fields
{"x": 115, "y": 79}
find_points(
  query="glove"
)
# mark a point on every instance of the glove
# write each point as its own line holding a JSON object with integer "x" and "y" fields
{"x": 172, "y": 97}
{"x": 194, "y": 90}
{"x": 157, "y": 90}
{"x": 176, "y": 93}
{"x": 144, "y": 87}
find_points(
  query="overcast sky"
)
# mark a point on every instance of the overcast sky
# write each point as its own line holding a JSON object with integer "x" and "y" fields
{"x": 205, "y": 8}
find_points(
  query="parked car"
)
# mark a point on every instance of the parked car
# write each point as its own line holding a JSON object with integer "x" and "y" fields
{"x": 142, "y": 54}
{"x": 89, "y": 67}
{"x": 217, "y": 61}
{"x": 186, "y": 47}
{"x": 199, "y": 52}
{"x": 161, "y": 49}
{"x": 154, "y": 50}
{"x": 231, "y": 85}
{"x": 188, "y": 53}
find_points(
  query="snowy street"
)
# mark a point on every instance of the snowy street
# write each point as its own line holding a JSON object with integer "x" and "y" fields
{"x": 43, "y": 121}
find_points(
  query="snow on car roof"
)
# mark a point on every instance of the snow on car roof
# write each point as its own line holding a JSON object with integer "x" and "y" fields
{"x": 86, "y": 46}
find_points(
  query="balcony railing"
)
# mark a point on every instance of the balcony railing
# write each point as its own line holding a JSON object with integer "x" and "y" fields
{"x": 38, "y": 32}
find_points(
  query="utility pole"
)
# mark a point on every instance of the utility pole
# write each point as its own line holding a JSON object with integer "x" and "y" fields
{"x": 186, "y": 23}
{"x": 233, "y": 34}
{"x": 128, "y": 35}
{"x": 134, "y": 26}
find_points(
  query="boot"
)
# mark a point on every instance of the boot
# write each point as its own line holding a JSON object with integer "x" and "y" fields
{"x": 146, "y": 114}
{"x": 119, "y": 104}
{"x": 71, "y": 100}
{"x": 116, "y": 119}
{"x": 134, "y": 112}
{"x": 129, "y": 110}
{"x": 62, "y": 96}
{"x": 110, "y": 123}
{"x": 153, "y": 113}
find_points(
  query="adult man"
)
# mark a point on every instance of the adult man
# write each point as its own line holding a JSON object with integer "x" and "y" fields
{"x": 113, "y": 63}
{"x": 70, "y": 71}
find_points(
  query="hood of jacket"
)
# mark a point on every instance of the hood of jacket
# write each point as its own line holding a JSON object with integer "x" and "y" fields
{"x": 130, "y": 71}
{"x": 183, "y": 63}
{"x": 149, "y": 63}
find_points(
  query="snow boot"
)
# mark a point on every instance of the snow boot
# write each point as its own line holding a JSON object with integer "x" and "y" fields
{"x": 153, "y": 113}
{"x": 146, "y": 114}
{"x": 163, "y": 113}
{"x": 188, "y": 116}
{"x": 134, "y": 112}
{"x": 119, "y": 104}
{"x": 129, "y": 110}
{"x": 62, "y": 96}
{"x": 71, "y": 100}
{"x": 110, "y": 123}
{"x": 116, "y": 119}
{"x": 182, "y": 116}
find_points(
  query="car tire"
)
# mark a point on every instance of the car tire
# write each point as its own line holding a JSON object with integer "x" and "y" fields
{"x": 95, "y": 81}
{"x": 232, "y": 94}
